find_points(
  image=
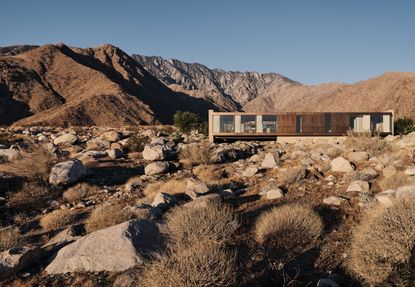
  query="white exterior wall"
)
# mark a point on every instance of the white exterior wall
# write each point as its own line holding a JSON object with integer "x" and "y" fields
{"x": 216, "y": 124}
{"x": 386, "y": 124}
{"x": 366, "y": 123}
{"x": 237, "y": 124}
{"x": 259, "y": 126}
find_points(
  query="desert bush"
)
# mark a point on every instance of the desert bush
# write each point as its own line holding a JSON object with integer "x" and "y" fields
{"x": 172, "y": 186}
{"x": 288, "y": 231}
{"x": 187, "y": 121}
{"x": 211, "y": 174}
{"x": 200, "y": 265}
{"x": 9, "y": 238}
{"x": 6, "y": 138}
{"x": 35, "y": 165}
{"x": 32, "y": 196}
{"x": 381, "y": 249}
{"x": 107, "y": 215}
{"x": 79, "y": 191}
{"x": 136, "y": 143}
{"x": 365, "y": 142}
{"x": 215, "y": 222}
{"x": 398, "y": 180}
{"x": 195, "y": 154}
{"x": 404, "y": 126}
{"x": 57, "y": 219}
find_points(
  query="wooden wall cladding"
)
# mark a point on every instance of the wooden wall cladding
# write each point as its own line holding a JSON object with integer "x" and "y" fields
{"x": 340, "y": 123}
{"x": 286, "y": 123}
{"x": 313, "y": 123}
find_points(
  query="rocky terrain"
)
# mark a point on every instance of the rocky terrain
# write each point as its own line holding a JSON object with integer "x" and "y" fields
{"x": 252, "y": 91}
{"x": 149, "y": 206}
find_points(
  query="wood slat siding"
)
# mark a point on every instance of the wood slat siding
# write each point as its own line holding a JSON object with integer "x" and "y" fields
{"x": 314, "y": 124}
{"x": 286, "y": 123}
{"x": 340, "y": 123}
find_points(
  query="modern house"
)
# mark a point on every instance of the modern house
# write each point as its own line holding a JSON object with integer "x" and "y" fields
{"x": 270, "y": 126}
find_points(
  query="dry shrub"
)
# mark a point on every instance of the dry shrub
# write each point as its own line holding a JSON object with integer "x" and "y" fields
{"x": 34, "y": 166}
{"x": 365, "y": 142}
{"x": 291, "y": 174}
{"x": 214, "y": 222}
{"x": 107, "y": 215}
{"x": 172, "y": 186}
{"x": 9, "y": 238}
{"x": 136, "y": 143}
{"x": 382, "y": 245}
{"x": 79, "y": 191}
{"x": 32, "y": 196}
{"x": 397, "y": 180}
{"x": 195, "y": 154}
{"x": 57, "y": 219}
{"x": 212, "y": 174}
{"x": 288, "y": 231}
{"x": 199, "y": 265}
{"x": 6, "y": 138}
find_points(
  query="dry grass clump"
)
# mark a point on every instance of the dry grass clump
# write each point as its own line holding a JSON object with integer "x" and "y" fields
{"x": 212, "y": 174}
{"x": 108, "y": 215}
{"x": 288, "y": 231}
{"x": 32, "y": 196}
{"x": 34, "y": 166}
{"x": 381, "y": 250}
{"x": 199, "y": 265}
{"x": 9, "y": 238}
{"x": 172, "y": 186}
{"x": 215, "y": 222}
{"x": 136, "y": 143}
{"x": 398, "y": 180}
{"x": 79, "y": 191}
{"x": 195, "y": 154}
{"x": 57, "y": 219}
{"x": 365, "y": 142}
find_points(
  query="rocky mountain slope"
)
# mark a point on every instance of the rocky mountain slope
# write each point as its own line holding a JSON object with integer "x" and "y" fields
{"x": 252, "y": 91}
{"x": 61, "y": 85}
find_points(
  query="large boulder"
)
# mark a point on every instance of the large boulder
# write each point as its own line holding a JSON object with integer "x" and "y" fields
{"x": 157, "y": 167}
{"x": 358, "y": 186}
{"x": 357, "y": 156}
{"x": 111, "y": 136}
{"x": 65, "y": 139}
{"x": 67, "y": 172}
{"x": 15, "y": 259}
{"x": 97, "y": 144}
{"x": 116, "y": 248}
{"x": 270, "y": 160}
{"x": 250, "y": 171}
{"x": 389, "y": 171}
{"x": 196, "y": 188}
{"x": 164, "y": 201}
{"x": 154, "y": 152}
{"x": 9, "y": 154}
{"x": 340, "y": 164}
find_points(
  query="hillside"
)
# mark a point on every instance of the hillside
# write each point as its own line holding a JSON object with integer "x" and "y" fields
{"x": 60, "y": 85}
{"x": 252, "y": 91}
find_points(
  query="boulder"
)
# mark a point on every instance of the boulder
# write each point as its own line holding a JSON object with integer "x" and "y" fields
{"x": 114, "y": 249}
{"x": 334, "y": 200}
{"x": 410, "y": 171}
{"x": 204, "y": 200}
{"x": 114, "y": 153}
{"x": 386, "y": 197}
{"x": 15, "y": 259}
{"x": 9, "y": 154}
{"x": 164, "y": 201}
{"x": 273, "y": 193}
{"x": 157, "y": 167}
{"x": 370, "y": 172}
{"x": 389, "y": 171}
{"x": 358, "y": 186}
{"x": 67, "y": 172}
{"x": 111, "y": 136}
{"x": 154, "y": 152}
{"x": 97, "y": 144}
{"x": 196, "y": 188}
{"x": 250, "y": 171}
{"x": 406, "y": 191}
{"x": 65, "y": 139}
{"x": 357, "y": 156}
{"x": 340, "y": 164}
{"x": 270, "y": 160}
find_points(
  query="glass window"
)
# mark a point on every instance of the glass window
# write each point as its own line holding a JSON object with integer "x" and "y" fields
{"x": 248, "y": 124}
{"x": 269, "y": 124}
{"x": 298, "y": 124}
{"x": 328, "y": 123}
{"x": 227, "y": 124}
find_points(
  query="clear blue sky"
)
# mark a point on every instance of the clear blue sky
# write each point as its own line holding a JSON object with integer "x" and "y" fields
{"x": 311, "y": 41}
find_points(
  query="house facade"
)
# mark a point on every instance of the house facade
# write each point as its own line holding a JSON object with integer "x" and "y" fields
{"x": 270, "y": 126}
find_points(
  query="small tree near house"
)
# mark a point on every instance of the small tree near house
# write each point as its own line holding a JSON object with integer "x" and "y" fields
{"x": 188, "y": 121}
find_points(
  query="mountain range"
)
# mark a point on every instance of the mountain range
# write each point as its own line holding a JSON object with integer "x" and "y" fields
{"x": 62, "y": 85}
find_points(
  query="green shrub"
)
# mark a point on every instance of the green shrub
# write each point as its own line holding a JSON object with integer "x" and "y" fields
{"x": 188, "y": 121}
{"x": 404, "y": 126}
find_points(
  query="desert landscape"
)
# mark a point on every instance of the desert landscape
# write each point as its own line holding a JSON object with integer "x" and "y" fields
{"x": 103, "y": 183}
